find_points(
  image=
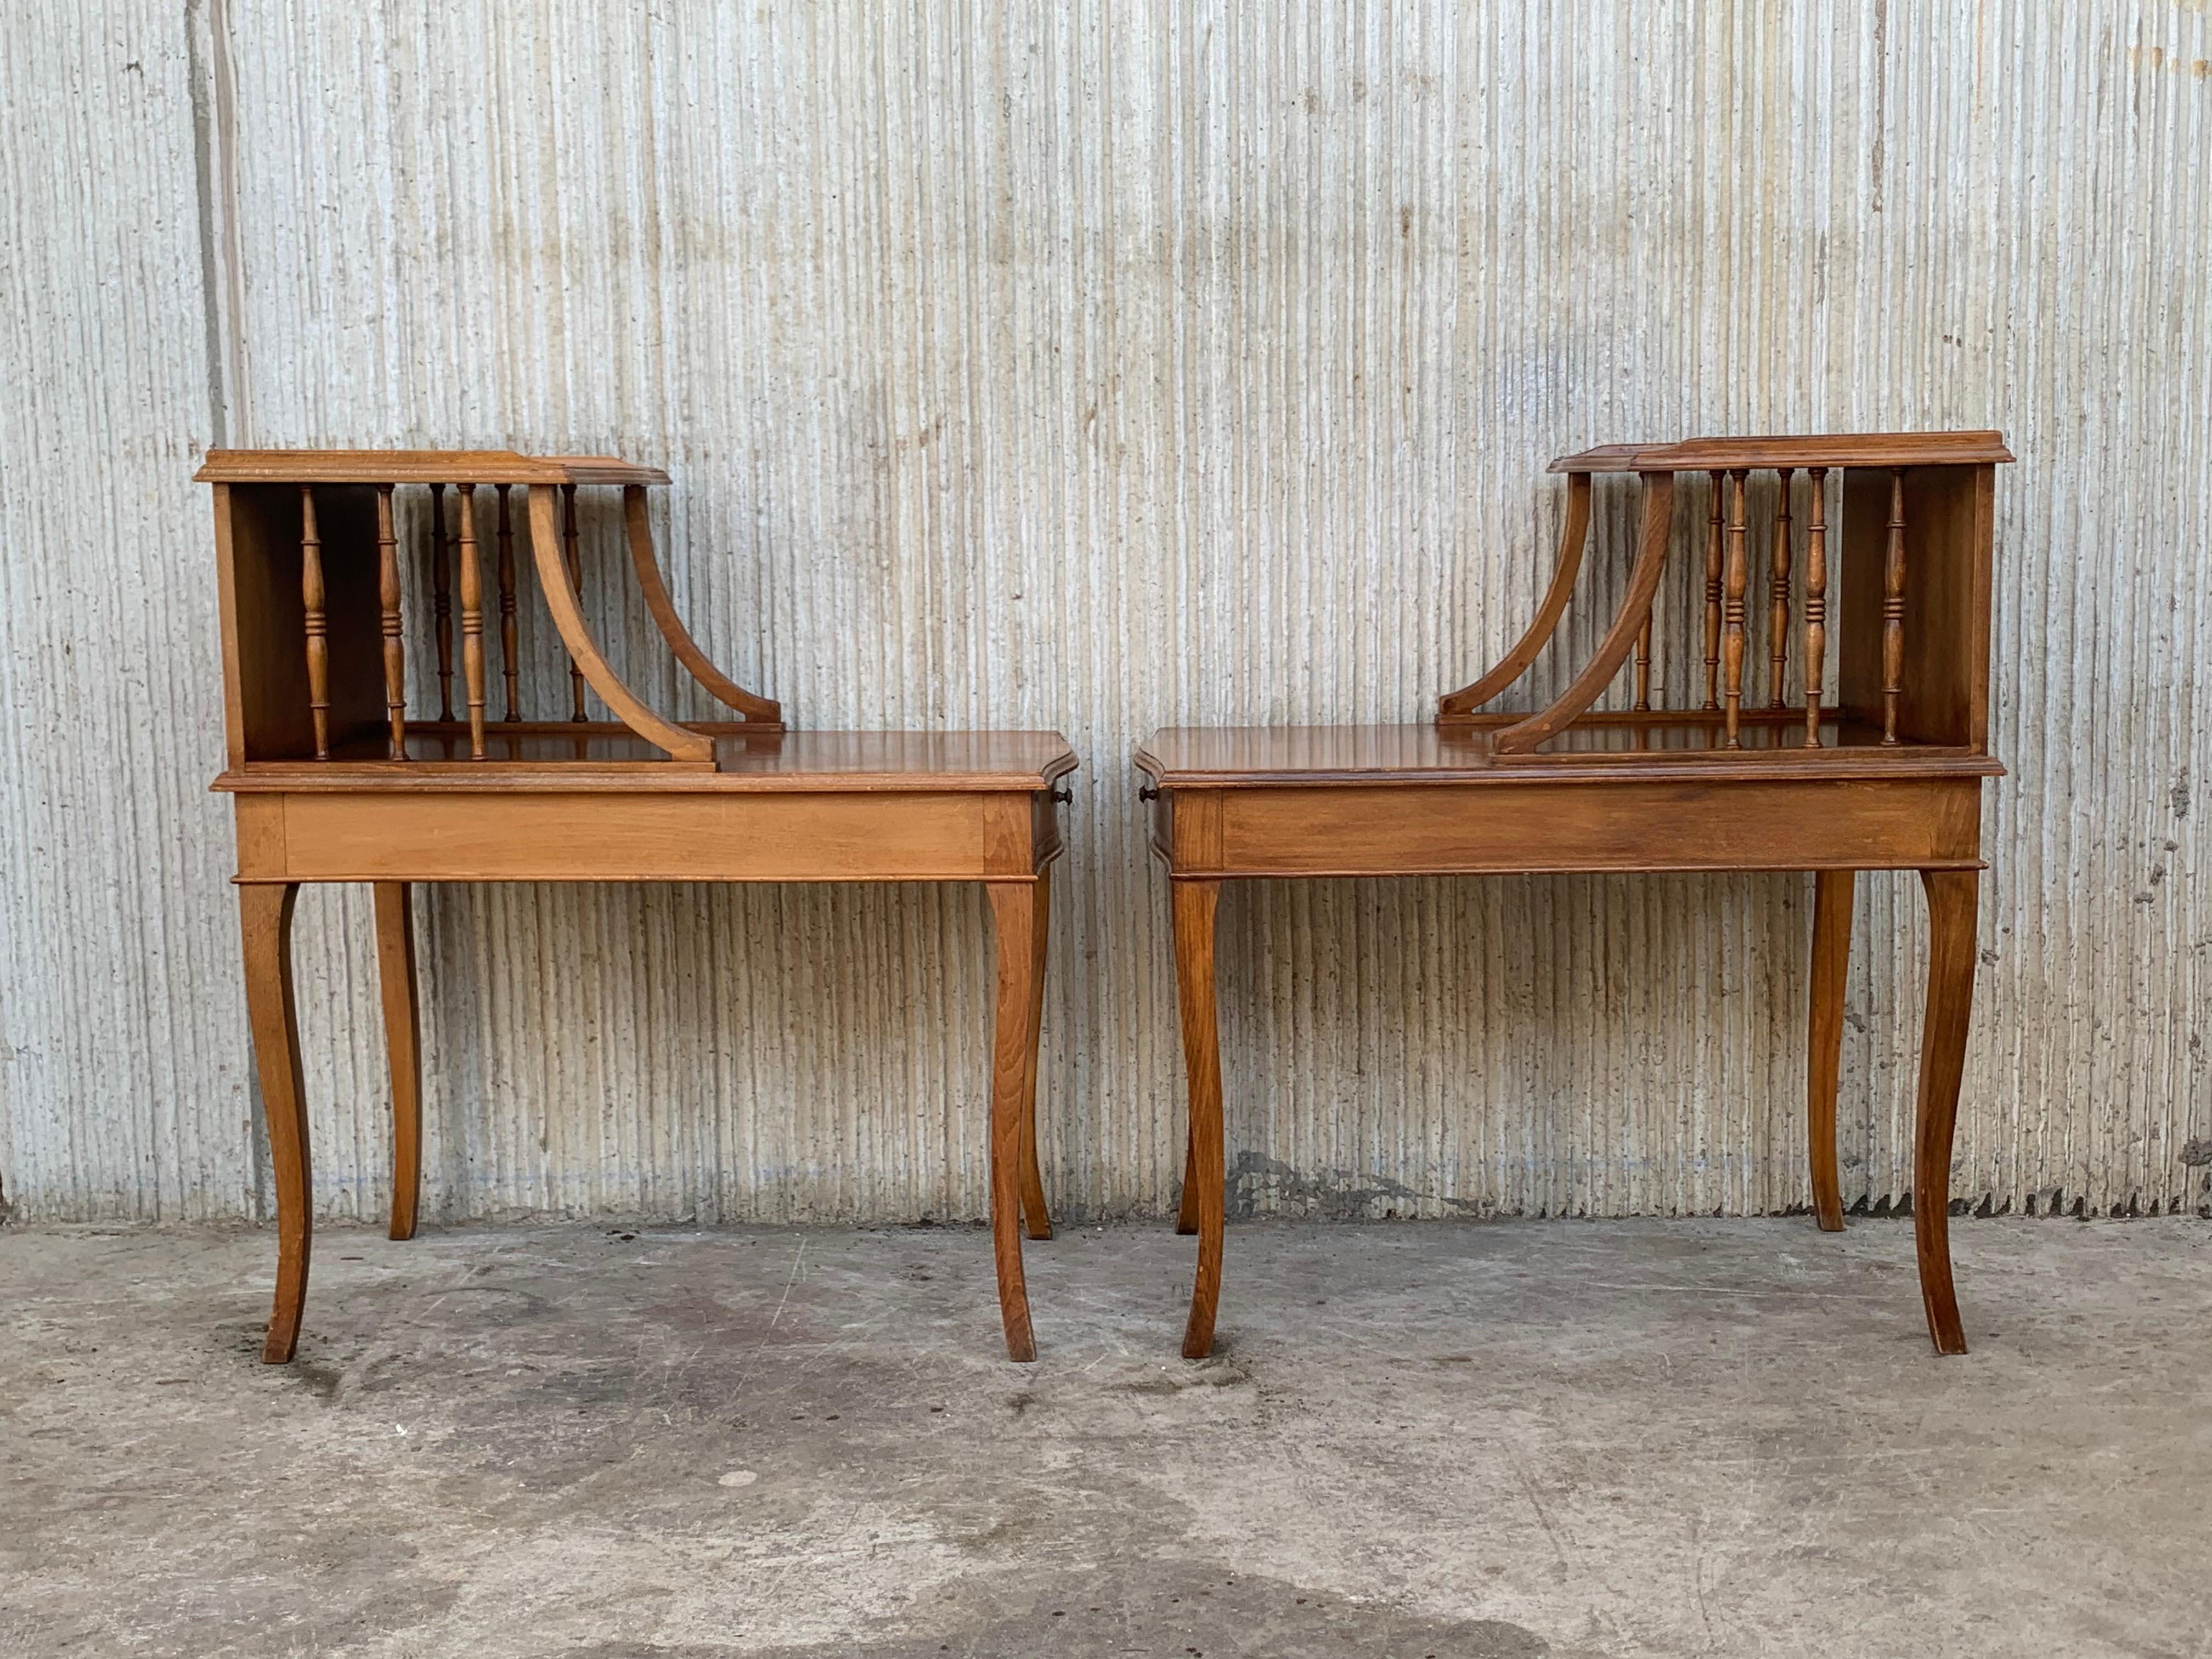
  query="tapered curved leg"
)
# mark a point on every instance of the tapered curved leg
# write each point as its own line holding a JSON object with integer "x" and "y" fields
{"x": 1195, "y": 903}
{"x": 1831, "y": 957}
{"x": 1034, "y": 1217}
{"x": 1187, "y": 1213}
{"x": 1951, "y": 902}
{"x": 265, "y": 931}
{"x": 395, "y": 969}
{"x": 1014, "y": 913}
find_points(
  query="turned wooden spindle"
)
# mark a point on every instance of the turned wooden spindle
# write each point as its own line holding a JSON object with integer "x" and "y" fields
{"x": 1737, "y": 579}
{"x": 387, "y": 597}
{"x": 318, "y": 623}
{"x": 1892, "y": 610}
{"x": 472, "y": 651}
{"x": 1778, "y": 594}
{"x": 510, "y": 669}
{"x": 1713, "y": 595}
{"x": 442, "y": 601}
{"x": 568, "y": 553}
{"x": 1816, "y": 601}
{"x": 1644, "y": 666}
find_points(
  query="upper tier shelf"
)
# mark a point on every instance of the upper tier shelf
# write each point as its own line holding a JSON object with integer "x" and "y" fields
{"x": 1830, "y": 449}
{"x": 1907, "y": 519}
{"x": 315, "y": 609}
{"x": 399, "y": 466}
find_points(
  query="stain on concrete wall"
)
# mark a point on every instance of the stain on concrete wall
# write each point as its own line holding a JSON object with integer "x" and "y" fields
{"x": 1103, "y": 368}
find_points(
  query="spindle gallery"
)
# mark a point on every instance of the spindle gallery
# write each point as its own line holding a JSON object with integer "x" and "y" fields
{"x": 334, "y": 781}
{"x": 1884, "y": 773}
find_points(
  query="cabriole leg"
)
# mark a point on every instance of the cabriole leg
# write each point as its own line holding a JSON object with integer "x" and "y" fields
{"x": 395, "y": 966}
{"x": 1187, "y": 1212}
{"x": 265, "y": 932}
{"x": 1014, "y": 911}
{"x": 1205, "y": 1175}
{"x": 1831, "y": 956}
{"x": 1035, "y": 1218}
{"x": 1952, "y": 896}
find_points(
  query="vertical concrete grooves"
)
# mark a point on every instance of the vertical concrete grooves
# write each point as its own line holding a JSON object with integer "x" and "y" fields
{"x": 215, "y": 161}
{"x": 1103, "y": 367}
{"x": 122, "y": 1068}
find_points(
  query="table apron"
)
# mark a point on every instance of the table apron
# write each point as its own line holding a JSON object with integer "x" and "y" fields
{"x": 1490, "y": 829}
{"x": 841, "y": 836}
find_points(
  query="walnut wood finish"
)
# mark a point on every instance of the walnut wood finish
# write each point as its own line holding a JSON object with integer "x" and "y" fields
{"x": 418, "y": 466}
{"x": 1832, "y": 959}
{"x": 1014, "y": 912}
{"x": 1206, "y": 1166}
{"x": 1861, "y": 449}
{"x": 1355, "y": 756}
{"x": 318, "y": 628}
{"x": 1816, "y": 601}
{"x": 472, "y": 651}
{"x": 1036, "y": 1219}
{"x": 1735, "y": 583}
{"x": 1889, "y": 778}
{"x": 332, "y": 782}
{"x": 403, "y": 1043}
{"x": 745, "y": 761}
{"x": 1952, "y": 896}
{"x": 265, "y": 934}
{"x": 1950, "y": 515}
{"x": 1762, "y": 812}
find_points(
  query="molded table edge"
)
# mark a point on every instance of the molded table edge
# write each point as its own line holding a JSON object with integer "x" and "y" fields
{"x": 640, "y": 777}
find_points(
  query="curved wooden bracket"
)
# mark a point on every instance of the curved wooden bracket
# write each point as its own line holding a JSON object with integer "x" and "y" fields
{"x": 1515, "y": 662}
{"x": 568, "y": 617}
{"x": 755, "y": 709}
{"x": 1627, "y": 624}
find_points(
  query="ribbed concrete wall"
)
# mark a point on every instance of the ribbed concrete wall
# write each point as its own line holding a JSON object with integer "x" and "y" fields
{"x": 1103, "y": 367}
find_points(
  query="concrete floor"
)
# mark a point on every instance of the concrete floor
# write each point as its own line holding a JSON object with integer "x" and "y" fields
{"x": 1508, "y": 1439}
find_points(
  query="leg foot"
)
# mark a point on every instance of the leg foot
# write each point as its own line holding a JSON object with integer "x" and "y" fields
{"x": 395, "y": 965}
{"x": 1034, "y": 1217}
{"x": 1951, "y": 905}
{"x": 1014, "y": 911}
{"x": 1831, "y": 956}
{"x": 265, "y": 931}
{"x": 1203, "y": 1193}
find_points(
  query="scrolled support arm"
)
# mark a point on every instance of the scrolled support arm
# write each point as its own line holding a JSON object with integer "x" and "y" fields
{"x": 691, "y": 747}
{"x": 1515, "y": 662}
{"x": 1621, "y": 638}
{"x": 755, "y": 709}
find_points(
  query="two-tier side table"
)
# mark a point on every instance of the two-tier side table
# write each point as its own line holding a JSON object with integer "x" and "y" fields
{"x": 336, "y": 779}
{"x": 1886, "y": 775}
